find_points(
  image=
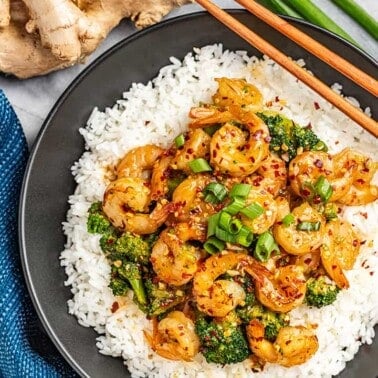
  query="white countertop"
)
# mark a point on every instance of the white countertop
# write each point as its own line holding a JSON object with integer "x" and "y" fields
{"x": 32, "y": 99}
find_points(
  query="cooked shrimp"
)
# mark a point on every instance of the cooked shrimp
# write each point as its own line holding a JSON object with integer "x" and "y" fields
{"x": 309, "y": 261}
{"x": 174, "y": 260}
{"x": 126, "y": 203}
{"x": 264, "y": 221}
{"x": 360, "y": 196}
{"x": 339, "y": 251}
{"x": 188, "y": 200}
{"x": 205, "y": 116}
{"x": 159, "y": 177}
{"x": 293, "y": 345}
{"x": 361, "y": 191}
{"x": 191, "y": 231}
{"x": 196, "y": 146}
{"x": 283, "y": 207}
{"x": 298, "y": 242}
{"x": 231, "y": 153}
{"x": 175, "y": 337}
{"x": 306, "y": 168}
{"x": 280, "y": 290}
{"x": 138, "y": 160}
{"x": 237, "y": 92}
{"x": 271, "y": 176}
{"x": 218, "y": 297}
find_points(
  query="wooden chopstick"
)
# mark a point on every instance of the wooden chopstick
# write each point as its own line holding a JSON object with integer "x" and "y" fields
{"x": 266, "y": 48}
{"x": 314, "y": 47}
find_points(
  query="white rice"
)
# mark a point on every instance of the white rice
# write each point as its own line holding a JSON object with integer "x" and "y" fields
{"x": 155, "y": 113}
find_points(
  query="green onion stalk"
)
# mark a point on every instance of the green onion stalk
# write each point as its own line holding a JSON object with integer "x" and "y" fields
{"x": 312, "y": 13}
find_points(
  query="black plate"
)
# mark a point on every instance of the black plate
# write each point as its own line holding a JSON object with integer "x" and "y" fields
{"x": 48, "y": 181}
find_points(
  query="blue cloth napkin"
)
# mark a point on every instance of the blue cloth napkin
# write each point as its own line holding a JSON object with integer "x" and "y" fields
{"x": 25, "y": 350}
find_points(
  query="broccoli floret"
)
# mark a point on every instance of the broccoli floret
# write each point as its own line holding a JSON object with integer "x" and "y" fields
{"x": 119, "y": 286}
{"x": 97, "y": 222}
{"x": 307, "y": 139}
{"x": 287, "y": 136}
{"x": 132, "y": 273}
{"x": 272, "y": 321}
{"x": 162, "y": 297}
{"x": 107, "y": 242}
{"x": 223, "y": 341}
{"x": 320, "y": 293}
{"x": 127, "y": 247}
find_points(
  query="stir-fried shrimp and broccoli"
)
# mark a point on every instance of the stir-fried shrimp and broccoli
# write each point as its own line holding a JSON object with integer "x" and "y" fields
{"x": 236, "y": 224}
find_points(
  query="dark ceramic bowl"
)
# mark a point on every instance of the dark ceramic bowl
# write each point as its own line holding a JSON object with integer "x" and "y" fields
{"x": 48, "y": 180}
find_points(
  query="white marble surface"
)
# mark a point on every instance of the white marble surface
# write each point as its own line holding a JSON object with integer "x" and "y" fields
{"x": 32, "y": 99}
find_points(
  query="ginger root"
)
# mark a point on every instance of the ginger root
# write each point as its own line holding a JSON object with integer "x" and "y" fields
{"x": 40, "y": 36}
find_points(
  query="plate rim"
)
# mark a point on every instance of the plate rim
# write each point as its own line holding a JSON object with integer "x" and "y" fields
{"x": 47, "y": 123}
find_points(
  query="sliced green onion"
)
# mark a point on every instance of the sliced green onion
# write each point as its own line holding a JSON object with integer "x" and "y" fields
{"x": 180, "y": 140}
{"x": 224, "y": 220}
{"x": 235, "y": 226}
{"x": 265, "y": 246}
{"x": 240, "y": 190}
{"x": 323, "y": 188}
{"x": 308, "y": 226}
{"x": 214, "y": 245}
{"x": 235, "y": 206}
{"x": 288, "y": 219}
{"x": 320, "y": 146}
{"x": 330, "y": 211}
{"x": 200, "y": 165}
{"x": 214, "y": 192}
{"x": 224, "y": 235}
{"x": 244, "y": 237}
{"x": 253, "y": 210}
{"x": 212, "y": 224}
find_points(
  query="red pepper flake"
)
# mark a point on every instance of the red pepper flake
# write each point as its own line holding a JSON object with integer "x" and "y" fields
{"x": 337, "y": 142}
{"x": 257, "y": 135}
{"x": 371, "y": 273}
{"x": 115, "y": 307}
{"x": 316, "y": 105}
{"x": 318, "y": 163}
{"x": 277, "y": 99}
{"x": 316, "y": 200}
{"x": 355, "y": 243}
{"x": 308, "y": 261}
{"x": 365, "y": 215}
